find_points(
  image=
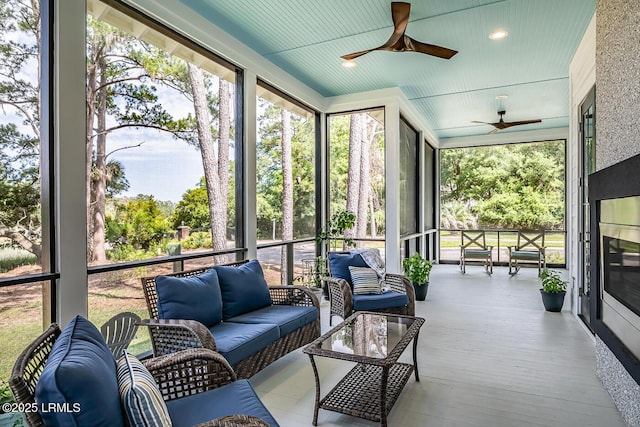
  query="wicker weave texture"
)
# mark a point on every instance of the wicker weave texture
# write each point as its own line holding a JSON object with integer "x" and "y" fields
{"x": 358, "y": 393}
{"x": 172, "y": 335}
{"x": 180, "y": 374}
{"x": 28, "y": 368}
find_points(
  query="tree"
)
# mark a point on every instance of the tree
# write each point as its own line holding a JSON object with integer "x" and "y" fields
{"x": 193, "y": 209}
{"x": 120, "y": 72}
{"x": 20, "y": 139}
{"x": 510, "y": 186}
{"x": 215, "y": 167}
{"x": 137, "y": 223}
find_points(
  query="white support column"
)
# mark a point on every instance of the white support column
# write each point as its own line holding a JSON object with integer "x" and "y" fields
{"x": 69, "y": 169}
{"x": 392, "y": 186}
{"x": 250, "y": 138}
{"x": 422, "y": 183}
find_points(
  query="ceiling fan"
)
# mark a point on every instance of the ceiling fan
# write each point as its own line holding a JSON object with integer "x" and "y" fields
{"x": 399, "y": 42}
{"x": 503, "y": 125}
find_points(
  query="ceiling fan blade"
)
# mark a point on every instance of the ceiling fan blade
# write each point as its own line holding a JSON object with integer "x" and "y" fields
{"x": 430, "y": 49}
{"x": 354, "y": 55}
{"x": 493, "y": 131}
{"x": 400, "y": 15}
{"x": 477, "y": 121}
{"x": 522, "y": 122}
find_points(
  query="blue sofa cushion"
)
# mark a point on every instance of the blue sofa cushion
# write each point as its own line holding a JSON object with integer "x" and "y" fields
{"x": 237, "y": 341}
{"x": 141, "y": 399}
{"x": 238, "y": 397}
{"x": 80, "y": 372}
{"x": 287, "y": 317}
{"x": 339, "y": 264}
{"x": 193, "y": 298}
{"x": 243, "y": 288}
{"x": 375, "y": 302}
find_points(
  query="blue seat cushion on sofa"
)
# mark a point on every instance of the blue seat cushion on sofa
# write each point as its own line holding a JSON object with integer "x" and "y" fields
{"x": 235, "y": 398}
{"x": 237, "y": 341}
{"x": 193, "y": 298}
{"x": 81, "y": 372}
{"x": 375, "y": 302}
{"x": 287, "y": 317}
{"x": 243, "y": 288}
{"x": 339, "y": 264}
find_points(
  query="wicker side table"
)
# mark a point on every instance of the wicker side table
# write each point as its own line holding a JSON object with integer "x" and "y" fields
{"x": 374, "y": 341}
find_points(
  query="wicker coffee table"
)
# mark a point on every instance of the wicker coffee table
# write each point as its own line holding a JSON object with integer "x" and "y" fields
{"x": 374, "y": 341}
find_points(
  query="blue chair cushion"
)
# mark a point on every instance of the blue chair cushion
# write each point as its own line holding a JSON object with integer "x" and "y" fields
{"x": 193, "y": 298}
{"x": 80, "y": 372}
{"x": 477, "y": 252}
{"x": 376, "y": 302}
{"x": 243, "y": 288}
{"x": 526, "y": 254}
{"x": 237, "y": 341}
{"x": 339, "y": 264}
{"x": 287, "y": 317}
{"x": 238, "y": 397}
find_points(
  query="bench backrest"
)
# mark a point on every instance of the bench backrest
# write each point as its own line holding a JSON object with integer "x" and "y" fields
{"x": 530, "y": 241}
{"x": 471, "y": 239}
{"x": 149, "y": 286}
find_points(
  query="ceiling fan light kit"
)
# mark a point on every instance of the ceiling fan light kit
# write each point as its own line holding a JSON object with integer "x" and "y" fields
{"x": 400, "y": 42}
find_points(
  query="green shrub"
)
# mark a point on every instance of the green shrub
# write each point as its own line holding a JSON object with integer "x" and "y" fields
{"x": 11, "y": 258}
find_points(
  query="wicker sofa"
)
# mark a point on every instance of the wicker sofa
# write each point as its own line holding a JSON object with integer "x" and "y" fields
{"x": 255, "y": 324}
{"x": 72, "y": 378}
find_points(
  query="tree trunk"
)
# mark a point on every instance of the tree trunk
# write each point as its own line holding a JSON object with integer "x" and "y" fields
{"x": 209, "y": 163}
{"x": 368, "y": 133}
{"x": 99, "y": 178}
{"x": 353, "y": 176}
{"x": 92, "y": 85}
{"x": 287, "y": 190}
{"x": 223, "y": 149}
{"x": 20, "y": 239}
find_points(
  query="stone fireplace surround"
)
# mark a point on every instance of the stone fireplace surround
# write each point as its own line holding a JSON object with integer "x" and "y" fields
{"x": 617, "y": 368}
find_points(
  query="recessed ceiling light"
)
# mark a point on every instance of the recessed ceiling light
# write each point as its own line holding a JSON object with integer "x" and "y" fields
{"x": 502, "y": 96}
{"x": 349, "y": 64}
{"x": 498, "y": 34}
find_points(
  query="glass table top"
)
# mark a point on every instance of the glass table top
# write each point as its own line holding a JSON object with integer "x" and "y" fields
{"x": 368, "y": 334}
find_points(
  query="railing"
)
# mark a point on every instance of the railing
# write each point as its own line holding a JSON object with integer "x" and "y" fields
{"x": 500, "y": 239}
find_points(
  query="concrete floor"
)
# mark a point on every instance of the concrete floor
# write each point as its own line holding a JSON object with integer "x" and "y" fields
{"x": 488, "y": 355}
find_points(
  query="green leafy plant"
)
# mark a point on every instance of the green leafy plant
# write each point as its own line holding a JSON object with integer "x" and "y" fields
{"x": 551, "y": 282}
{"x": 417, "y": 269}
{"x": 339, "y": 223}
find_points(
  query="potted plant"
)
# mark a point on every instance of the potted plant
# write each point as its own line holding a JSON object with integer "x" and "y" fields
{"x": 553, "y": 290}
{"x": 417, "y": 270}
{"x": 336, "y": 227}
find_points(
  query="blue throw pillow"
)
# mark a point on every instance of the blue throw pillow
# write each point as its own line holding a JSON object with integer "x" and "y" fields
{"x": 80, "y": 376}
{"x": 192, "y": 298}
{"x": 340, "y": 263}
{"x": 243, "y": 288}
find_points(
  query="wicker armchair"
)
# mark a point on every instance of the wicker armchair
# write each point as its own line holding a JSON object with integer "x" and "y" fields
{"x": 177, "y": 375}
{"x": 171, "y": 335}
{"x": 341, "y": 295}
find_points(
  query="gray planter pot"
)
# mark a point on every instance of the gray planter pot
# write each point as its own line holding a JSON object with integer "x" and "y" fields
{"x": 552, "y": 301}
